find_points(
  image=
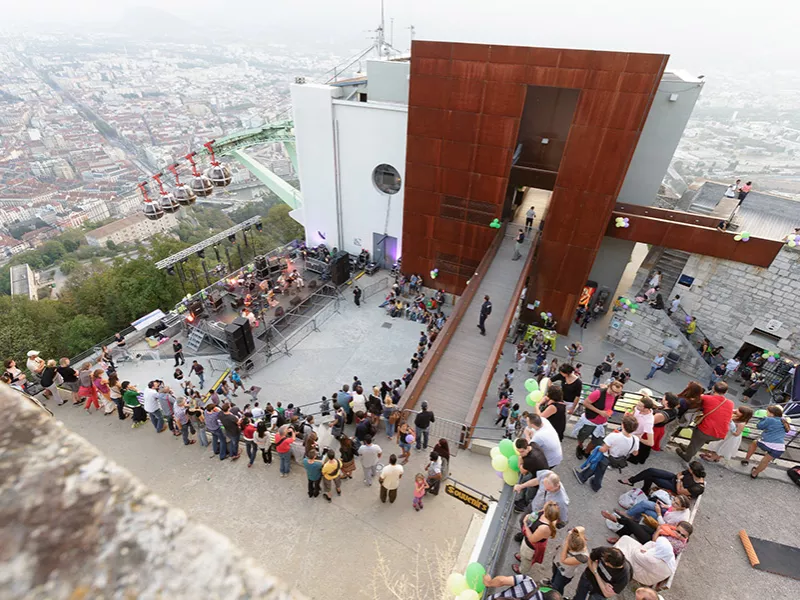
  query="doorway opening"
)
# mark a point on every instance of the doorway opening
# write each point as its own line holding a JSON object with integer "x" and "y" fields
{"x": 384, "y": 250}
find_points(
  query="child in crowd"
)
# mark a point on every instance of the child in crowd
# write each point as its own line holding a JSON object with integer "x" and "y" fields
{"x": 420, "y": 485}
{"x": 511, "y": 428}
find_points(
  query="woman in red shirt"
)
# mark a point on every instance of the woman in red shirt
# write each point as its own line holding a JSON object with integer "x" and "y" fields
{"x": 249, "y": 435}
{"x": 283, "y": 445}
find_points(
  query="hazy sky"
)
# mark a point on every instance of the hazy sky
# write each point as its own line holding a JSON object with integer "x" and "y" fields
{"x": 701, "y": 35}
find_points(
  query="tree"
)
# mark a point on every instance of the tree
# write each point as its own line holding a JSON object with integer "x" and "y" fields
{"x": 82, "y": 332}
{"x": 111, "y": 245}
{"x": 68, "y": 266}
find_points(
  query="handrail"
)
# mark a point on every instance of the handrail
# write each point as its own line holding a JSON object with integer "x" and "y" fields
{"x": 412, "y": 393}
{"x": 497, "y": 349}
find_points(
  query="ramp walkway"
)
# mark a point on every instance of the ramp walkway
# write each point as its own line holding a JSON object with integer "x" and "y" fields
{"x": 459, "y": 357}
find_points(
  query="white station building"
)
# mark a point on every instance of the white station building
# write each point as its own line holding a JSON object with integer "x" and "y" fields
{"x": 351, "y": 156}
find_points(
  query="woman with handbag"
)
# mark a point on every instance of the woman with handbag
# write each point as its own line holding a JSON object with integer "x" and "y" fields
{"x": 536, "y": 530}
{"x": 390, "y": 415}
{"x": 614, "y": 453}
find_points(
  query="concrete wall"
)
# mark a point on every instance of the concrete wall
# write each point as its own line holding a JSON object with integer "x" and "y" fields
{"x": 369, "y": 134}
{"x": 76, "y": 525}
{"x": 387, "y": 81}
{"x": 730, "y": 299}
{"x": 612, "y": 259}
{"x": 662, "y": 132}
{"x": 314, "y": 134}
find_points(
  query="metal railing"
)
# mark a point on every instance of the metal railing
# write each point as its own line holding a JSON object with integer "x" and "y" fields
{"x": 374, "y": 288}
{"x": 454, "y": 432}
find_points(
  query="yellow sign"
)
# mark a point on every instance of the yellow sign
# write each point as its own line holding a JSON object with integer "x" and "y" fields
{"x": 466, "y": 498}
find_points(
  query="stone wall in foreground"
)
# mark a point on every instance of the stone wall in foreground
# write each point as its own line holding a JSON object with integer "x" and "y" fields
{"x": 75, "y": 525}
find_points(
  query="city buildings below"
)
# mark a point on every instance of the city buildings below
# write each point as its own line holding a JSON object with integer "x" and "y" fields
{"x": 131, "y": 229}
{"x": 9, "y": 246}
{"x": 23, "y": 282}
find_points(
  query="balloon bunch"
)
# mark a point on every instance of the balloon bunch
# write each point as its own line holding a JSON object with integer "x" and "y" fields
{"x": 535, "y": 395}
{"x": 771, "y": 356}
{"x": 742, "y": 237}
{"x": 622, "y": 222}
{"x": 629, "y": 304}
{"x": 434, "y": 273}
{"x": 468, "y": 586}
{"x": 495, "y": 224}
{"x": 505, "y": 460}
{"x": 546, "y": 315}
{"x": 794, "y": 240}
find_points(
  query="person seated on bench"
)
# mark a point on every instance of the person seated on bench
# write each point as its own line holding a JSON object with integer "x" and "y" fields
{"x": 691, "y": 482}
{"x": 248, "y": 300}
{"x": 657, "y": 510}
{"x": 652, "y": 562}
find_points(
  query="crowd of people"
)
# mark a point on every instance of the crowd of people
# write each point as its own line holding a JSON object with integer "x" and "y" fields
{"x": 326, "y": 439}
{"x": 653, "y": 525}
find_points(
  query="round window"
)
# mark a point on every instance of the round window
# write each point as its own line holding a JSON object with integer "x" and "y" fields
{"x": 386, "y": 179}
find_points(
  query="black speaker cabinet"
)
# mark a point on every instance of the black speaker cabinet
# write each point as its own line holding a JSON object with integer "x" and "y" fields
{"x": 239, "y": 337}
{"x": 340, "y": 268}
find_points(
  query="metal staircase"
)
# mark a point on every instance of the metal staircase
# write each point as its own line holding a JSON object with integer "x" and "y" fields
{"x": 195, "y": 340}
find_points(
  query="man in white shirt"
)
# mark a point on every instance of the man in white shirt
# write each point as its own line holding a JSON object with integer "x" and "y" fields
{"x": 673, "y": 306}
{"x": 529, "y": 217}
{"x": 546, "y": 436}
{"x": 617, "y": 445}
{"x": 390, "y": 480}
{"x": 369, "y": 453}
{"x": 731, "y": 366}
{"x": 153, "y": 407}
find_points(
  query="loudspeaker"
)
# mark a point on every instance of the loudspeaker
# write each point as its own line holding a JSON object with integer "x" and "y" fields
{"x": 261, "y": 266}
{"x": 196, "y": 308}
{"x": 239, "y": 337}
{"x": 340, "y": 268}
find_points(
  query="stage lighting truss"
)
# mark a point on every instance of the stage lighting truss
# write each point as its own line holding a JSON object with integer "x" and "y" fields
{"x": 213, "y": 241}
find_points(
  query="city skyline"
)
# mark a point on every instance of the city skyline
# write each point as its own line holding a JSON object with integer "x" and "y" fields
{"x": 730, "y": 36}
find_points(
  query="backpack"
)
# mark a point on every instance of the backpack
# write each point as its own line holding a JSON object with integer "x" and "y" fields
{"x": 281, "y": 419}
{"x": 600, "y": 403}
{"x": 794, "y": 474}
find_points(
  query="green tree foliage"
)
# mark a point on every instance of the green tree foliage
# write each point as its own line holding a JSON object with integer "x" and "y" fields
{"x": 102, "y": 297}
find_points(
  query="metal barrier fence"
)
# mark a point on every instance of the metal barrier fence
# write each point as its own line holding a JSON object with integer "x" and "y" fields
{"x": 497, "y": 534}
{"x": 326, "y": 302}
{"x": 374, "y": 288}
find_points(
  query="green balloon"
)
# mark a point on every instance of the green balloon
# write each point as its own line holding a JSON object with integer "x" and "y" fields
{"x": 507, "y": 448}
{"x": 531, "y": 385}
{"x": 474, "y": 575}
{"x": 513, "y": 463}
{"x": 760, "y": 414}
{"x": 746, "y": 431}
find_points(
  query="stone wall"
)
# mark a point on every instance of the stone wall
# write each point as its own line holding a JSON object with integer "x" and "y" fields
{"x": 730, "y": 299}
{"x": 75, "y": 525}
{"x": 649, "y": 331}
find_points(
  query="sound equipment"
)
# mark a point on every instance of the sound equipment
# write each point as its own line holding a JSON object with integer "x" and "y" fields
{"x": 196, "y": 308}
{"x": 239, "y": 337}
{"x": 261, "y": 267}
{"x": 340, "y": 268}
